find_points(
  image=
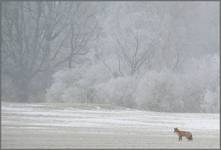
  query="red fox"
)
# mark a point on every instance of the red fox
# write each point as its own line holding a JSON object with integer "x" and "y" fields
{"x": 180, "y": 133}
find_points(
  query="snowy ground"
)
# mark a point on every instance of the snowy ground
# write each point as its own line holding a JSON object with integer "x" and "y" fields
{"x": 68, "y": 126}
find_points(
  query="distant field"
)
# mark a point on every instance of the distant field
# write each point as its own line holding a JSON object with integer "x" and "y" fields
{"x": 93, "y": 126}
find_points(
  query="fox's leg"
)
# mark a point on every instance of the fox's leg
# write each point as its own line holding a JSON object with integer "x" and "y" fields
{"x": 180, "y": 138}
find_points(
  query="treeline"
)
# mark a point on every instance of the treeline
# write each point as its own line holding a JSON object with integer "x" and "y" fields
{"x": 156, "y": 56}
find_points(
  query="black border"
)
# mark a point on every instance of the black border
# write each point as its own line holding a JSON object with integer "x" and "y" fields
{"x": 115, "y": 1}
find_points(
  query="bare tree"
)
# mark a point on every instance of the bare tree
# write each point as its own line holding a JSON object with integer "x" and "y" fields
{"x": 28, "y": 31}
{"x": 33, "y": 36}
{"x": 82, "y": 29}
{"x": 133, "y": 56}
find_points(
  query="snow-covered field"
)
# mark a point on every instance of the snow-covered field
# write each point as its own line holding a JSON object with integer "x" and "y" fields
{"x": 73, "y": 126}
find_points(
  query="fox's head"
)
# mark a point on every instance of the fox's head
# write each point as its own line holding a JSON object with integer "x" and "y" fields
{"x": 175, "y": 129}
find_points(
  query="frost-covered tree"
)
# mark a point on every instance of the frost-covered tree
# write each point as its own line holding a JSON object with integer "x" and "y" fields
{"x": 29, "y": 30}
{"x": 150, "y": 55}
{"x": 194, "y": 90}
{"x": 34, "y": 42}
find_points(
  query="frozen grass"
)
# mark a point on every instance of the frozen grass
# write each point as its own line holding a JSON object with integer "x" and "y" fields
{"x": 102, "y": 126}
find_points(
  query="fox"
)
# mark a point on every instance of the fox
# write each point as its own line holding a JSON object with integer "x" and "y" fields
{"x": 180, "y": 134}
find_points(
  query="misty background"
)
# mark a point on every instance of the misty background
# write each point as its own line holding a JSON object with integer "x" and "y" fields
{"x": 158, "y": 56}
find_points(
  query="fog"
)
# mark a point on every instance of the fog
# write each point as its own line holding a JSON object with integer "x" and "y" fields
{"x": 156, "y": 56}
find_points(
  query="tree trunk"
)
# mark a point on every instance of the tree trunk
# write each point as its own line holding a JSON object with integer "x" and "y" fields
{"x": 22, "y": 90}
{"x": 70, "y": 63}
